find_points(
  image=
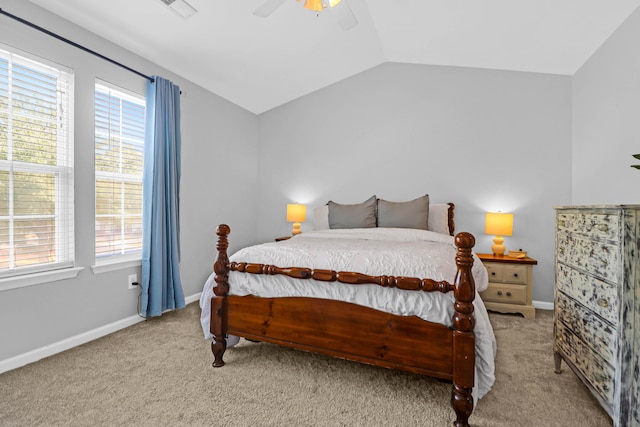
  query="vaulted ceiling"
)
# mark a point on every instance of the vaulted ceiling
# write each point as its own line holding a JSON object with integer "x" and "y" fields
{"x": 260, "y": 63}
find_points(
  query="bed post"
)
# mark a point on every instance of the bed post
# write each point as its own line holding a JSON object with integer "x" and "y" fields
{"x": 463, "y": 338}
{"x": 219, "y": 302}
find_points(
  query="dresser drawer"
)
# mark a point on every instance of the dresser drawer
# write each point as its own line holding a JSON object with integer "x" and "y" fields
{"x": 598, "y": 296}
{"x": 599, "y": 335}
{"x": 598, "y": 258}
{"x": 505, "y": 293}
{"x": 597, "y": 226}
{"x": 500, "y": 273}
{"x": 598, "y": 373}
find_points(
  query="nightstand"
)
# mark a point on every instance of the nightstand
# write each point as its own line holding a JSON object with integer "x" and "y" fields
{"x": 510, "y": 284}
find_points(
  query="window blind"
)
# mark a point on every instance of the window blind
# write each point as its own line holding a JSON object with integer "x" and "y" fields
{"x": 36, "y": 165}
{"x": 119, "y": 152}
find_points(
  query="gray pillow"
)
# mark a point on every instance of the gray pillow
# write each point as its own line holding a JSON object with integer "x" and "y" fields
{"x": 362, "y": 215}
{"x": 412, "y": 214}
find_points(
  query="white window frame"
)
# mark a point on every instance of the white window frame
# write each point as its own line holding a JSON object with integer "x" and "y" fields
{"x": 106, "y": 263}
{"x": 63, "y": 172}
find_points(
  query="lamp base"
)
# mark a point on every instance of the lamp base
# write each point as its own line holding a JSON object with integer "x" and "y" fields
{"x": 296, "y": 229}
{"x": 498, "y": 248}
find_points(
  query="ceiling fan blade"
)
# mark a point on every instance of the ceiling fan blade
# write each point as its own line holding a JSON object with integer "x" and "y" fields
{"x": 343, "y": 13}
{"x": 268, "y": 7}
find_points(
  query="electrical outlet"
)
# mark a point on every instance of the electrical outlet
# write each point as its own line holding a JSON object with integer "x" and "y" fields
{"x": 132, "y": 281}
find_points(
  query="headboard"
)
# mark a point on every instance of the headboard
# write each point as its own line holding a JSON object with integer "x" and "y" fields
{"x": 452, "y": 224}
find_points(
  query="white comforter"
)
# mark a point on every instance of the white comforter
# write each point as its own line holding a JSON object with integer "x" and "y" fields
{"x": 373, "y": 251}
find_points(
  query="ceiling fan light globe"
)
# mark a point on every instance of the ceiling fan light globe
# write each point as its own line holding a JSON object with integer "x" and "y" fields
{"x": 315, "y": 5}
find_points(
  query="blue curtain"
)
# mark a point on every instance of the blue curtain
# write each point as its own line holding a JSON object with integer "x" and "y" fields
{"x": 161, "y": 284}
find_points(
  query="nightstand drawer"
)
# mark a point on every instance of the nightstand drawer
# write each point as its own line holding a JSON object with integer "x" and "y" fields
{"x": 505, "y": 293}
{"x": 495, "y": 271}
{"x": 499, "y": 273}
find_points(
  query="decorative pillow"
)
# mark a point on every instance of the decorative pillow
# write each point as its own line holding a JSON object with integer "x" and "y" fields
{"x": 412, "y": 214}
{"x": 438, "y": 220}
{"x": 362, "y": 215}
{"x": 321, "y": 218}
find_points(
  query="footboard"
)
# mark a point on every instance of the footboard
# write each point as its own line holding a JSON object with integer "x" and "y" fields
{"x": 344, "y": 330}
{"x": 354, "y": 332}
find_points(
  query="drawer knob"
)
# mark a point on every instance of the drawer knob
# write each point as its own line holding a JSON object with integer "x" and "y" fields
{"x": 603, "y": 303}
{"x": 515, "y": 274}
{"x": 603, "y": 227}
{"x": 508, "y": 294}
{"x": 499, "y": 292}
{"x": 493, "y": 273}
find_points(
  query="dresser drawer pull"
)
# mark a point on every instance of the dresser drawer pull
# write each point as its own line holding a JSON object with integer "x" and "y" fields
{"x": 603, "y": 227}
{"x": 515, "y": 274}
{"x": 493, "y": 273}
{"x": 603, "y": 303}
{"x": 508, "y": 293}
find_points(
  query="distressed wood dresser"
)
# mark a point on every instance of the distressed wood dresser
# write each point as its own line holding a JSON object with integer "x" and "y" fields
{"x": 597, "y": 304}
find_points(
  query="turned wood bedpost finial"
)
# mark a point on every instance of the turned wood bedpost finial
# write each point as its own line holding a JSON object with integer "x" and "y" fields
{"x": 221, "y": 265}
{"x": 218, "y": 323}
{"x": 463, "y": 324}
{"x": 465, "y": 287}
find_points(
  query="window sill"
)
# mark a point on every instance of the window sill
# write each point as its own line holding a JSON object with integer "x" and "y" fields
{"x": 119, "y": 264}
{"x": 32, "y": 279}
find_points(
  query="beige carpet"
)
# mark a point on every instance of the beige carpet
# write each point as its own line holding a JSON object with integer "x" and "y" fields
{"x": 158, "y": 373}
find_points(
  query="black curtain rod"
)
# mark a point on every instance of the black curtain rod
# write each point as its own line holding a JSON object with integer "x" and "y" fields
{"x": 74, "y": 44}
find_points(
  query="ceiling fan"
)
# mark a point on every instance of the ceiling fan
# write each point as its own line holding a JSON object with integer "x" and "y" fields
{"x": 339, "y": 8}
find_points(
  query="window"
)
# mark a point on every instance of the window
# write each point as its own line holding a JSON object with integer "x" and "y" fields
{"x": 36, "y": 165}
{"x": 119, "y": 151}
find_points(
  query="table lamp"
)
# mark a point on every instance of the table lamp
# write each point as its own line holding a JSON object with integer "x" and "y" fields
{"x": 500, "y": 224}
{"x": 296, "y": 213}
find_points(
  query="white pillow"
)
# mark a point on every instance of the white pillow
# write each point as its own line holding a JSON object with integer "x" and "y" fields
{"x": 321, "y": 217}
{"x": 438, "y": 220}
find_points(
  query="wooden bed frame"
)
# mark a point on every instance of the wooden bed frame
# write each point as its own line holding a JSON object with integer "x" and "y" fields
{"x": 328, "y": 326}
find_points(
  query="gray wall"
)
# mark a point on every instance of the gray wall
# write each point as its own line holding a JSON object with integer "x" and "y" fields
{"x": 218, "y": 185}
{"x": 606, "y": 121}
{"x": 485, "y": 140}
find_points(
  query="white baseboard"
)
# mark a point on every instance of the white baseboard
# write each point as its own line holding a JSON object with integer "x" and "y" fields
{"x": 543, "y": 305}
{"x": 192, "y": 298}
{"x": 66, "y": 344}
